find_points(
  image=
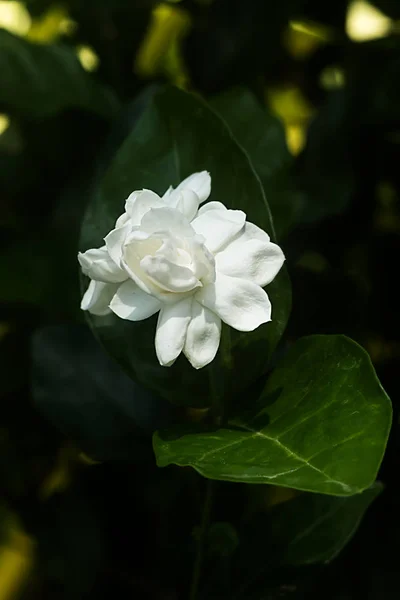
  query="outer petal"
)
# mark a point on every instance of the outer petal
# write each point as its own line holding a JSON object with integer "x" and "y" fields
{"x": 133, "y": 304}
{"x": 199, "y": 183}
{"x": 186, "y": 201}
{"x": 122, "y": 220}
{"x": 172, "y": 325}
{"x": 97, "y": 264}
{"x": 252, "y": 232}
{"x": 98, "y": 296}
{"x": 219, "y": 227}
{"x": 252, "y": 259}
{"x": 211, "y": 206}
{"x": 115, "y": 241}
{"x": 140, "y": 202}
{"x": 241, "y": 304}
{"x": 202, "y": 337}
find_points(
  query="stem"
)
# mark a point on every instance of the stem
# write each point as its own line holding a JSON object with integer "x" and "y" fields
{"x": 217, "y": 411}
{"x": 205, "y": 521}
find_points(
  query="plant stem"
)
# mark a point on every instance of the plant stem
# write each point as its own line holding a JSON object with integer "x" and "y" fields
{"x": 205, "y": 522}
{"x": 217, "y": 412}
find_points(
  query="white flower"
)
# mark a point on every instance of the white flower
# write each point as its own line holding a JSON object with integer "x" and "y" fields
{"x": 196, "y": 267}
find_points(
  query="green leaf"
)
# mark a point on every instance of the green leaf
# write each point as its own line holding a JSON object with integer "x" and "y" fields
{"x": 262, "y": 136}
{"x": 90, "y": 399}
{"x": 177, "y": 135}
{"x": 321, "y": 425}
{"x": 38, "y": 81}
{"x": 309, "y": 529}
{"x": 314, "y": 528}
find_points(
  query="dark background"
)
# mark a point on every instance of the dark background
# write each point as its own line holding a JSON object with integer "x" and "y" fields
{"x": 84, "y": 511}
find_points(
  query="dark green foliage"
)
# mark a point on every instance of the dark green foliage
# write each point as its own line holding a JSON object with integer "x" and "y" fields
{"x": 305, "y": 409}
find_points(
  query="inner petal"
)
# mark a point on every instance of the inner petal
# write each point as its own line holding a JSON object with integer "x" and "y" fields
{"x": 147, "y": 247}
{"x": 169, "y": 276}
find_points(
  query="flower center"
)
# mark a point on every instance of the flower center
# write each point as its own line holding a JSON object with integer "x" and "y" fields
{"x": 168, "y": 263}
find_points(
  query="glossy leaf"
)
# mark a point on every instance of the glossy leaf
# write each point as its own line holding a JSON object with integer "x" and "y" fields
{"x": 321, "y": 425}
{"x": 308, "y": 530}
{"x": 314, "y": 528}
{"x": 38, "y": 81}
{"x": 262, "y": 135}
{"x": 177, "y": 135}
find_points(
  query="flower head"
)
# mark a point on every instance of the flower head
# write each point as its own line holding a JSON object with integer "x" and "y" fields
{"x": 194, "y": 266}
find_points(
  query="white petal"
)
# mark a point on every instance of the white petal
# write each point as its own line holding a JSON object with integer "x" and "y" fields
{"x": 166, "y": 219}
{"x": 122, "y": 220}
{"x": 97, "y": 264}
{"x": 169, "y": 276}
{"x": 98, "y": 296}
{"x": 186, "y": 201}
{"x": 218, "y": 227}
{"x": 140, "y": 202}
{"x": 115, "y": 241}
{"x": 202, "y": 337}
{"x": 173, "y": 322}
{"x": 199, "y": 183}
{"x": 133, "y": 304}
{"x": 167, "y": 193}
{"x": 211, "y": 206}
{"x": 241, "y": 304}
{"x": 252, "y": 259}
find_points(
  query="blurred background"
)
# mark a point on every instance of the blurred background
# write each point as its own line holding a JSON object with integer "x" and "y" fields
{"x": 84, "y": 512}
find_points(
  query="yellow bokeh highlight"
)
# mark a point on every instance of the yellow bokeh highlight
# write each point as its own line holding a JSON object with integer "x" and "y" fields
{"x": 159, "y": 52}
{"x": 14, "y": 17}
{"x": 302, "y": 39}
{"x": 4, "y": 123}
{"x": 294, "y": 111}
{"x": 47, "y": 28}
{"x": 88, "y": 58}
{"x": 366, "y": 22}
{"x": 16, "y": 561}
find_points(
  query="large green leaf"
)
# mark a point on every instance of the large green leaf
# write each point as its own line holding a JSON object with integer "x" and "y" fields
{"x": 262, "y": 135}
{"x": 37, "y": 81}
{"x": 175, "y": 137}
{"x": 314, "y": 528}
{"x": 321, "y": 425}
{"x": 309, "y": 529}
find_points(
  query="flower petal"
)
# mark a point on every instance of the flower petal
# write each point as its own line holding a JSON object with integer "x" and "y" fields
{"x": 218, "y": 226}
{"x": 186, "y": 201}
{"x": 166, "y": 219}
{"x": 97, "y": 264}
{"x": 169, "y": 276}
{"x": 211, "y": 206}
{"x": 133, "y": 304}
{"x": 172, "y": 325}
{"x": 241, "y": 304}
{"x": 199, "y": 183}
{"x": 122, "y": 220}
{"x": 202, "y": 337}
{"x": 98, "y": 296}
{"x": 140, "y": 202}
{"x": 115, "y": 241}
{"x": 250, "y": 258}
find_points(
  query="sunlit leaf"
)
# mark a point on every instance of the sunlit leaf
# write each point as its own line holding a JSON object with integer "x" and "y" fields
{"x": 321, "y": 425}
